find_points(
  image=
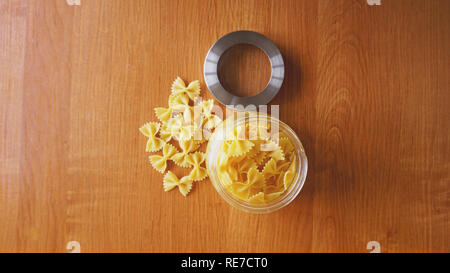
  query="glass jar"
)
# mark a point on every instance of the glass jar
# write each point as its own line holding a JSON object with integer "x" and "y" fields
{"x": 288, "y": 195}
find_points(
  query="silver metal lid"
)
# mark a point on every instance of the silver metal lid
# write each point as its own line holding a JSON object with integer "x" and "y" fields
{"x": 243, "y": 37}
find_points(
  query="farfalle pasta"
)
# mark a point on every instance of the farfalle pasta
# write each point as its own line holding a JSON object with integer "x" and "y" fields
{"x": 171, "y": 181}
{"x": 187, "y": 146}
{"x": 150, "y": 130}
{"x": 256, "y": 170}
{"x": 179, "y": 123}
{"x": 179, "y": 128}
{"x": 163, "y": 114}
{"x": 196, "y": 160}
{"x": 251, "y": 165}
{"x": 235, "y": 143}
{"x": 180, "y": 88}
{"x": 178, "y": 99}
{"x": 159, "y": 162}
{"x": 210, "y": 120}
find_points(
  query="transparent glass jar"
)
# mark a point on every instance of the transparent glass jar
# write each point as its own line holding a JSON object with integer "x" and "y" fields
{"x": 287, "y": 197}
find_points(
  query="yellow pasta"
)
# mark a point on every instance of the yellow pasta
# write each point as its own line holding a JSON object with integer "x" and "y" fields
{"x": 258, "y": 198}
{"x": 178, "y": 99}
{"x": 258, "y": 170}
{"x": 178, "y": 124}
{"x": 258, "y": 156}
{"x": 163, "y": 114}
{"x": 187, "y": 146}
{"x": 286, "y": 145}
{"x": 258, "y": 130}
{"x": 180, "y": 104}
{"x": 269, "y": 197}
{"x": 274, "y": 151}
{"x": 160, "y": 162}
{"x": 226, "y": 179}
{"x": 254, "y": 183}
{"x": 164, "y": 133}
{"x": 179, "y": 129}
{"x": 209, "y": 119}
{"x": 261, "y": 158}
{"x": 235, "y": 144}
{"x": 270, "y": 169}
{"x": 150, "y": 130}
{"x": 245, "y": 165}
{"x": 192, "y": 90}
{"x": 237, "y": 147}
{"x": 195, "y": 160}
{"x": 227, "y": 174}
{"x": 171, "y": 181}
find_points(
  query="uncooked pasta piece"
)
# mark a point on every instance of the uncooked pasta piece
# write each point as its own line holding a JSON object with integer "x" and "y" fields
{"x": 185, "y": 116}
{"x": 186, "y": 110}
{"x": 179, "y": 129}
{"x": 187, "y": 146}
{"x": 256, "y": 154}
{"x": 235, "y": 143}
{"x": 286, "y": 145}
{"x": 254, "y": 183}
{"x": 195, "y": 160}
{"x": 160, "y": 162}
{"x": 171, "y": 181}
{"x": 237, "y": 147}
{"x": 270, "y": 169}
{"x": 192, "y": 90}
{"x": 258, "y": 198}
{"x": 272, "y": 196}
{"x": 210, "y": 120}
{"x": 164, "y": 133}
{"x": 239, "y": 159}
{"x": 226, "y": 179}
{"x": 260, "y": 157}
{"x": 245, "y": 165}
{"x": 225, "y": 170}
{"x": 150, "y": 130}
{"x": 163, "y": 114}
{"x": 274, "y": 151}
{"x": 178, "y": 99}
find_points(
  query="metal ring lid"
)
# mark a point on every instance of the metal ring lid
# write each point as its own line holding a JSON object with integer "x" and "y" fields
{"x": 243, "y": 37}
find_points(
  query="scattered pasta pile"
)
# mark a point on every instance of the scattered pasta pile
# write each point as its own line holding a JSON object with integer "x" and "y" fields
{"x": 258, "y": 170}
{"x": 251, "y": 165}
{"x": 187, "y": 121}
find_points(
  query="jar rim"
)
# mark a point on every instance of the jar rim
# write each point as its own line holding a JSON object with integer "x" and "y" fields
{"x": 287, "y": 197}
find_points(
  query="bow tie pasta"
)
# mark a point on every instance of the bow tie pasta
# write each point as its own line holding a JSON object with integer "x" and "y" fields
{"x": 160, "y": 162}
{"x": 171, "y": 181}
{"x": 177, "y": 126}
{"x": 192, "y": 90}
{"x": 195, "y": 160}
{"x": 256, "y": 170}
{"x": 252, "y": 165}
{"x": 150, "y": 130}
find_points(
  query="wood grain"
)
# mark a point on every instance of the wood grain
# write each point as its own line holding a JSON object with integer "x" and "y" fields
{"x": 366, "y": 89}
{"x": 241, "y": 63}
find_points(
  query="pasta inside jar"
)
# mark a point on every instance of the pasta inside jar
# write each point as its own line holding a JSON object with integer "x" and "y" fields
{"x": 256, "y": 163}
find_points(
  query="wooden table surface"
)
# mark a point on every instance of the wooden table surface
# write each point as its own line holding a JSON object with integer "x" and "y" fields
{"x": 366, "y": 90}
